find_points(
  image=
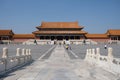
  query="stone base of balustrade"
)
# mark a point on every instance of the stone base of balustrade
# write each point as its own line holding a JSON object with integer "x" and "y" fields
{"x": 3, "y": 73}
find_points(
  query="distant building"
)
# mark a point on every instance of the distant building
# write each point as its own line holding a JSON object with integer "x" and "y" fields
{"x": 6, "y": 36}
{"x": 60, "y": 31}
{"x": 113, "y": 34}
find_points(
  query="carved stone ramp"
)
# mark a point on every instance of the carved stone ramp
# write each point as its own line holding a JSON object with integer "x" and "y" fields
{"x": 60, "y": 67}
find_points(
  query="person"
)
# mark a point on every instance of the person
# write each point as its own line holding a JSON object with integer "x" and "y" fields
{"x": 84, "y": 42}
{"x": 105, "y": 46}
{"x": 60, "y": 43}
{"x": 35, "y": 42}
{"x": 66, "y": 47}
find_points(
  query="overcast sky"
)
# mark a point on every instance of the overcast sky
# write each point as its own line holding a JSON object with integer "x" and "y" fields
{"x": 22, "y": 16}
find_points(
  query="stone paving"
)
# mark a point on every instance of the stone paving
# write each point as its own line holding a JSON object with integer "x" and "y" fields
{"x": 59, "y": 66}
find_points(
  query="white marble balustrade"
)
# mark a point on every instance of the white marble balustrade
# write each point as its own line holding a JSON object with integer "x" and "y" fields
{"x": 7, "y": 63}
{"x": 108, "y": 62}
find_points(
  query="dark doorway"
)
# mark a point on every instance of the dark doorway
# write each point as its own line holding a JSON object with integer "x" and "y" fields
{"x": 52, "y": 37}
{"x": 71, "y": 37}
{"x": 59, "y": 37}
{"x": 67, "y": 37}
{"x": 41, "y": 37}
{"x": 119, "y": 38}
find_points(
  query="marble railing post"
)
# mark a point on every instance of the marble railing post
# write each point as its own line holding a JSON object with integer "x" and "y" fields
{"x": 110, "y": 55}
{"x": 93, "y": 52}
{"x": 90, "y": 52}
{"x": 93, "y": 56}
{"x": 23, "y": 54}
{"x": 90, "y": 55}
{"x": 98, "y": 54}
{"x": 5, "y": 53}
{"x": 30, "y": 53}
{"x": 5, "y": 56}
{"x": 18, "y": 54}
{"x": 27, "y": 54}
{"x": 87, "y": 55}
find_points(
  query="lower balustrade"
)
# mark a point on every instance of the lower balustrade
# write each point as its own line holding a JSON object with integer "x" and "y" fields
{"x": 108, "y": 62}
{"x": 9, "y": 63}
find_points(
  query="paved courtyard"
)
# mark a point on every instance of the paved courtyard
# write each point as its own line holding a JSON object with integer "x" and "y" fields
{"x": 61, "y": 65}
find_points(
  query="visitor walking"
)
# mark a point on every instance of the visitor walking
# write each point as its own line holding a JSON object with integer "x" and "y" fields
{"x": 35, "y": 42}
{"x": 84, "y": 41}
{"x": 66, "y": 47}
{"x": 105, "y": 46}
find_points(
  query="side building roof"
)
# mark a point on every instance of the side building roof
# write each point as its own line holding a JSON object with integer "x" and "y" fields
{"x": 24, "y": 36}
{"x": 6, "y": 33}
{"x": 113, "y": 32}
